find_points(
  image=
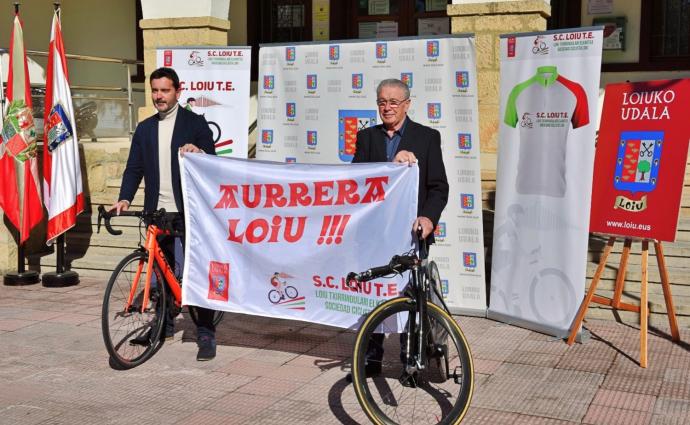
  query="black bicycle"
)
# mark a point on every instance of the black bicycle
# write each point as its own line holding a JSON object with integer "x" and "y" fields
{"x": 425, "y": 375}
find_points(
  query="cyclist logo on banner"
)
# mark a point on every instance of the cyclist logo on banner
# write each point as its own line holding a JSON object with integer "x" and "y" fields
{"x": 195, "y": 59}
{"x": 222, "y": 146}
{"x": 539, "y": 46}
{"x": 349, "y": 123}
{"x": 281, "y": 293}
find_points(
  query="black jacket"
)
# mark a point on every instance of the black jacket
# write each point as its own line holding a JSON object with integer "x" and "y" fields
{"x": 425, "y": 143}
{"x": 143, "y": 156}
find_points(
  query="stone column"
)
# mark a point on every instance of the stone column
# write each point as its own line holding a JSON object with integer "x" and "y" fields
{"x": 487, "y": 20}
{"x": 180, "y": 23}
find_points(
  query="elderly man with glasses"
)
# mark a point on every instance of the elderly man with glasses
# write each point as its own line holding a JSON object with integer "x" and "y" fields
{"x": 399, "y": 139}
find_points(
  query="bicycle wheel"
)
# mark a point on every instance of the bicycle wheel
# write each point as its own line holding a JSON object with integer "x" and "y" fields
{"x": 291, "y": 292}
{"x": 119, "y": 326}
{"x": 217, "y": 315}
{"x": 426, "y": 396}
{"x": 273, "y": 296}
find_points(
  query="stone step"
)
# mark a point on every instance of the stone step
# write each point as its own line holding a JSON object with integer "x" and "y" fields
{"x": 677, "y": 275}
{"x": 96, "y": 257}
{"x": 635, "y": 259}
{"x": 656, "y": 302}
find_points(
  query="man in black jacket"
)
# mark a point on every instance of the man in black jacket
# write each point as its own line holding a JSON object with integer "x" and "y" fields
{"x": 153, "y": 157}
{"x": 399, "y": 139}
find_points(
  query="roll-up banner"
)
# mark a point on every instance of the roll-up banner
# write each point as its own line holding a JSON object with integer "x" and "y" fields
{"x": 313, "y": 98}
{"x": 549, "y": 91}
{"x": 215, "y": 83}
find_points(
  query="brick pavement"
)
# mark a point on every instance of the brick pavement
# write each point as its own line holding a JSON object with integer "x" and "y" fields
{"x": 54, "y": 370}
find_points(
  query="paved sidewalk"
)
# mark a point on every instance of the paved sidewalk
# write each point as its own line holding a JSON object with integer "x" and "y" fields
{"x": 54, "y": 370}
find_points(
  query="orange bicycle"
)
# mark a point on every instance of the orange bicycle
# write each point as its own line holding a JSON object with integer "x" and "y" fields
{"x": 136, "y": 298}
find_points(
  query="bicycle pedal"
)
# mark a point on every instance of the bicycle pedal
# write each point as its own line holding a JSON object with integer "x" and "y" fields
{"x": 456, "y": 377}
{"x": 407, "y": 380}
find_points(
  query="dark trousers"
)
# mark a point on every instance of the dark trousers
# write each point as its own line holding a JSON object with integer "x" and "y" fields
{"x": 205, "y": 326}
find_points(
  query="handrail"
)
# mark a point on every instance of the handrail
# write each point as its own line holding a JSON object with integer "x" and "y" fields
{"x": 128, "y": 90}
{"x": 83, "y": 57}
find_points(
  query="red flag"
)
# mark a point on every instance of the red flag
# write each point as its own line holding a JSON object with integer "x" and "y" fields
{"x": 62, "y": 184}
{"x": 20, "y": 196}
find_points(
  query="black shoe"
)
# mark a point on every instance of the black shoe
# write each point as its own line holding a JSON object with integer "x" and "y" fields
{"x": 438, "y": 368}
{"x": 145, "y": 338}
{"x": 207, "y": 348}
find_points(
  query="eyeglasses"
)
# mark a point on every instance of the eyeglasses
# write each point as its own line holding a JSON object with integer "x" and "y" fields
{"x": 393, "y": 103}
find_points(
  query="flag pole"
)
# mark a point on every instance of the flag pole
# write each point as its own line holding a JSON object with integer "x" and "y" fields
{"x": 60, "y": 277}
{"x": 22, "y": 277}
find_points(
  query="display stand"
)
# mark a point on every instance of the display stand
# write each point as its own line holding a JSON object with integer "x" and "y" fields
{"x": 23, "y": 276}
{"x": 616, "y": 303}
{"x": 60, "y": 277}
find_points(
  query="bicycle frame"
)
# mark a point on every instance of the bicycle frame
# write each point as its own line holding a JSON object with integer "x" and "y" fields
{"x": 416, "y": 332}
{"x": 154, "y": 252}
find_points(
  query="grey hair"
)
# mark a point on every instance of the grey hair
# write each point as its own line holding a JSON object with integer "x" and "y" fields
{"x": 393, "y": 82}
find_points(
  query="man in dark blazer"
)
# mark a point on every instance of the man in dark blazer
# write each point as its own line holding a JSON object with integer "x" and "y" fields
{"x": 153, "y": 157}
{"x": 399, "y": 139}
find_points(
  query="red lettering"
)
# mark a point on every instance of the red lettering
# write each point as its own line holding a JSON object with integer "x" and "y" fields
{"x": 378, "y": 286}
{"x": 275, "y": 228}
{"x": 232, "y": 232}
{"x": 259, "y": 224}
{"x": 228, "y": 86}
{"x": 227, "y": 198}
{"x": 375, "y": 190}
{"x": 317, "y": 281}
{"x": 299, "y": 195}
{"x": 297, "y": 235}
{"x": 245, "y": 195}
{"x": 347, "y": 192}
{"x": 392, "y": 290}
{"x": 274, "y": 196}
{"x": 322, "y": 192}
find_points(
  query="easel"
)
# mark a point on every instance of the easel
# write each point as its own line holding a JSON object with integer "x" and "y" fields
{"x": 616, "y": 303}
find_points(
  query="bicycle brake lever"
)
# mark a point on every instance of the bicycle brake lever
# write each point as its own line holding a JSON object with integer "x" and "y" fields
{"x": 102, "y": 213}
{"x": 352, "y": 277}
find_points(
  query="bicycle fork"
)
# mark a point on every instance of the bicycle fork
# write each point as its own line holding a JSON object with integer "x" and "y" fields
{"x": 151, "y": 246}
{"x": 415, "y": 352}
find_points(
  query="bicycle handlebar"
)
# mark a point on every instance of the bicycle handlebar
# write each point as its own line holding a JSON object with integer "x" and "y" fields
{"x": 398, "y": 264}
{"x": 105, "y": 216}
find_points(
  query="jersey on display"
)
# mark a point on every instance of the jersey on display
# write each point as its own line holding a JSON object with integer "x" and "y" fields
{"x": 543, "y": 107}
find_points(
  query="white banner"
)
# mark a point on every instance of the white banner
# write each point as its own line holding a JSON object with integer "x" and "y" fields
{"x": 278, "y": 240}
{"x": 549, "y": 92}
{"x": 215, "y": 83}
{"x": 313, "y": 98}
